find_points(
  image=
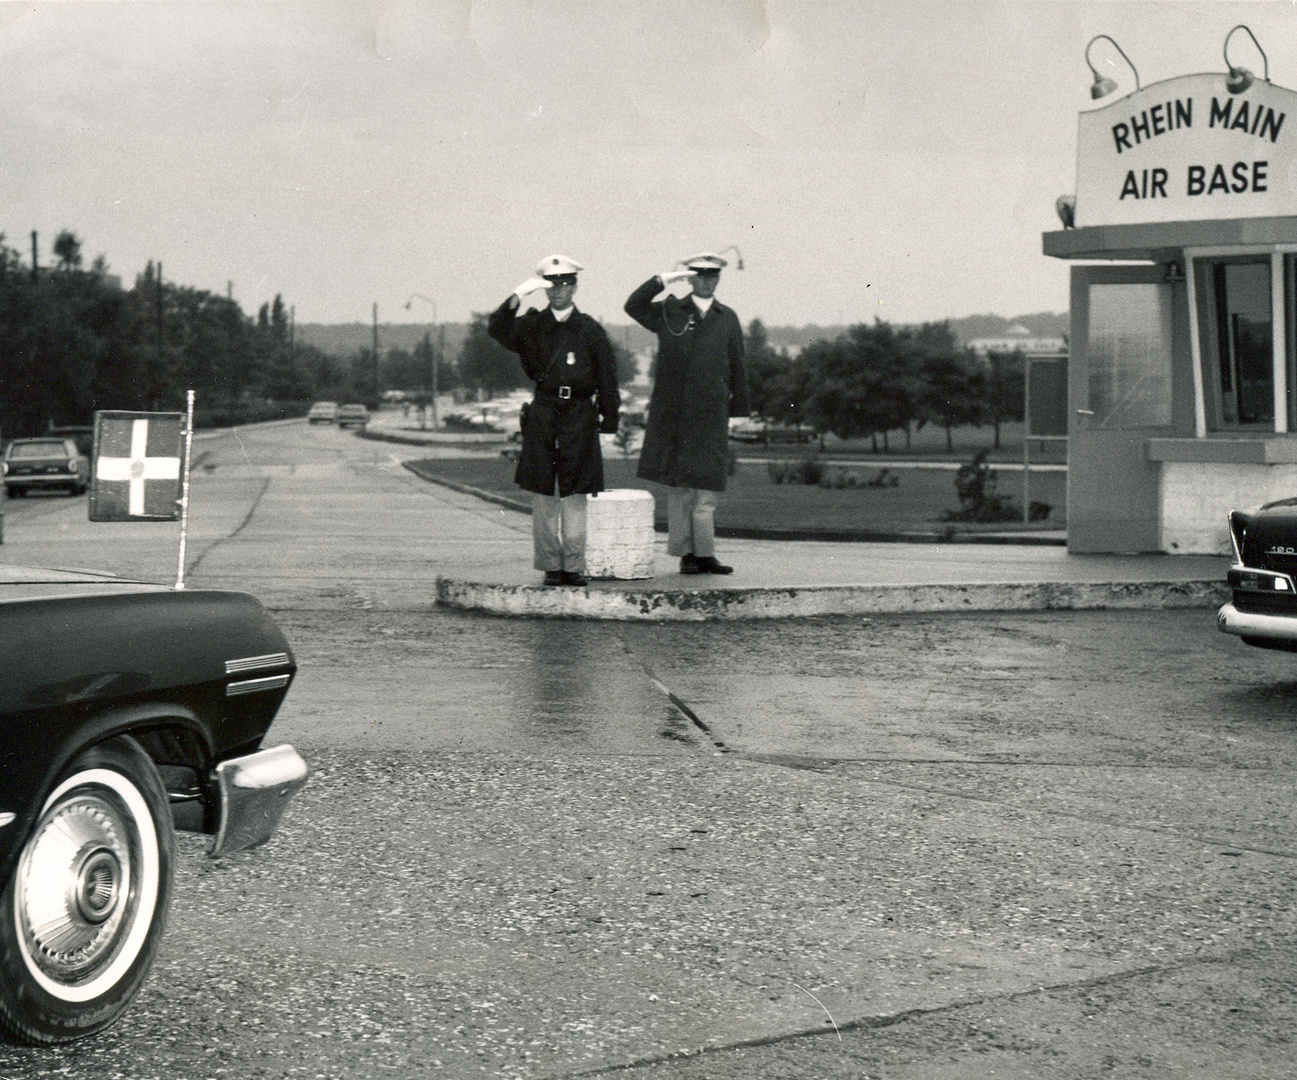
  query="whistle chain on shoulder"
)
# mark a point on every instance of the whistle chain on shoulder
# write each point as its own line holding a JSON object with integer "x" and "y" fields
{"x": 689, "y": 323}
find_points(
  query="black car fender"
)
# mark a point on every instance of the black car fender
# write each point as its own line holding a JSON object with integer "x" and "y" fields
{"x": 174, "y": 737}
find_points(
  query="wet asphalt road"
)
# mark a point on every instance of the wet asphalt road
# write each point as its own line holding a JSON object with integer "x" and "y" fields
{"x": 1007, "y": 845}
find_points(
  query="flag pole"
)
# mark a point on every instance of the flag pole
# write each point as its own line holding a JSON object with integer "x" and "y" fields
{"x": 184, "y": 491}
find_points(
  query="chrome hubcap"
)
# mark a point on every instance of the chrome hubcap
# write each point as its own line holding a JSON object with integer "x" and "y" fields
{"x": 74, "y": 895}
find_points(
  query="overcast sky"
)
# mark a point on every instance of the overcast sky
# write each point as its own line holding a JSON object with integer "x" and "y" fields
{"x": 897, "y": 159}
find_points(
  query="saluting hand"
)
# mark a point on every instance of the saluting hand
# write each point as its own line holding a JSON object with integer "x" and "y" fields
{"x": 531, "y": 285}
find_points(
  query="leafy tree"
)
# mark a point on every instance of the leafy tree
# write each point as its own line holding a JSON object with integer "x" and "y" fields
{"x": 485, "y": 365}
{"x": 864, "y": 383}
{"x": 627, "y": 369}
{"x": 768, "y": 371}
{"x": 1003, "y": 392}
{"x": 67, "y": 249}
{"x": 950, "y": 393}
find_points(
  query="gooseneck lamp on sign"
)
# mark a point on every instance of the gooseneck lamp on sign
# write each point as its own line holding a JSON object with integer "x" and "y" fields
{"x": 1103, "y": 86}
{"x": 738, "y": 256}
{"x": 1239, "y": 78}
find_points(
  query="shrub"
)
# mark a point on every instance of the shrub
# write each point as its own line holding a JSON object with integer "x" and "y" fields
{"x": 975, "y": 486}
{"x": 810, "y": 470}
{"x": 839, "y": 478}
{"x": 460, "y": 422}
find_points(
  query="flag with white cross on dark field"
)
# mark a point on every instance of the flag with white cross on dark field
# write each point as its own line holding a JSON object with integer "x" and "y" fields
{"x": 136, "y": 466}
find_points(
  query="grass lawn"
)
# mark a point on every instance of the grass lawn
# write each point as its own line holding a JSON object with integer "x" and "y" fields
{"x": 753, "y": 502}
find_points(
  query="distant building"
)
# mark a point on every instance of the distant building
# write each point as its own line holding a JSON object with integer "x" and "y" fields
{"x": 1017, "y": 338}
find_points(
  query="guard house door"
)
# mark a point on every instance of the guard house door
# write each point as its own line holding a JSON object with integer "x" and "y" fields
{"x": 1120, "y": 395}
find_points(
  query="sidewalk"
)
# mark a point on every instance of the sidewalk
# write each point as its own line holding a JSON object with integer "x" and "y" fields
{"x": 780, "y": 579}
{"x": 791, "y": 578}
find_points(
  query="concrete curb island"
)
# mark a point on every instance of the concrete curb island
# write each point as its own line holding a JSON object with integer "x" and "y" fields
{"x": 627, "y": 601}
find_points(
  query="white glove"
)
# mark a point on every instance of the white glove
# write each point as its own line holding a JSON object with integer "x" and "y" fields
{"x": 530, "y": 286}
{"x": 675, "y": 275}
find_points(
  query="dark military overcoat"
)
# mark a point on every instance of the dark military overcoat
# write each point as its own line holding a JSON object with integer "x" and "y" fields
{"x": 700, "y": 382}
{"x": 571, "y": 362}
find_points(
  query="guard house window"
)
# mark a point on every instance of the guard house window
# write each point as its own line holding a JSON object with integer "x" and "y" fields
{"x": 1238, "y": 341}
{"x": 1130, "y": 355}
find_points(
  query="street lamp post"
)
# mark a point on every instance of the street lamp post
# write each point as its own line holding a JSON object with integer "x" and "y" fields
{"x": 436, "y": 358}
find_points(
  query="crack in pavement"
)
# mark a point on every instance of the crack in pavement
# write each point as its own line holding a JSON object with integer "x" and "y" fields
{"x": 192, "y": 568}
{"x": 674, "y": 698}
{"x": 884, "y": 1020}
{"x": 807, "y": 763}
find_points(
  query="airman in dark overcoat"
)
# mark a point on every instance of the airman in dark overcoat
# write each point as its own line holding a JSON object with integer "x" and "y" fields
{"x": 567, "y": 354}
{"x": 700, "y": 382}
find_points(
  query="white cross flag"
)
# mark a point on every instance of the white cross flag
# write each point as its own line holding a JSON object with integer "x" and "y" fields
{"x": 135, "y": 472}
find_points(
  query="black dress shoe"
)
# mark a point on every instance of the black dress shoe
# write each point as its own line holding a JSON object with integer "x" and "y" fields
{"x": 553, "y": 577}
{"x": 708, "y": 565}
{"x": 689, "y": 565}
{"x": 571, "y": 577}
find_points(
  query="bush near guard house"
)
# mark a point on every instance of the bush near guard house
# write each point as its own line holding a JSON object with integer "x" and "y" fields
{"x": 975, "y": 484}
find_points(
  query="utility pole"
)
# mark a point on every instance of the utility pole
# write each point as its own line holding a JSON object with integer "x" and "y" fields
{"x": 374, "y": 382}
{"x": 35, "y": 273}
{"x": 436, "y": 362}
{"x": 161, "y": 328}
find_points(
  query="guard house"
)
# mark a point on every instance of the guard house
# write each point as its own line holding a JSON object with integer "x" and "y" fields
{"x": 1183, "y": 368}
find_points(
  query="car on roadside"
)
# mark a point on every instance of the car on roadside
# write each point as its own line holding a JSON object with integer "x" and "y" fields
{"x": 353, "y": 415}
{"x": 755, "y": 430}
{"x": 1262, "y": 609}
{"x": 127, "y": 710}
{"x": 322, "y": 412}
{"x": 44, "y": 464}
{"x": 81, "y": 434}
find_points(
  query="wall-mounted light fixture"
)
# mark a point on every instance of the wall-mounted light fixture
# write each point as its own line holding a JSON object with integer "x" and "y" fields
{"x": 1239, "y": 78}
{"x": 738, "y": 256}
{"x": 1065, "y": 207}
{"x": 1103, "y": 86}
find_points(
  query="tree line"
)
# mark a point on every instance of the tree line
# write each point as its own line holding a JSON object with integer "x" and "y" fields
{"x": 73, "y": 341}
{"x": 874, "y": 380}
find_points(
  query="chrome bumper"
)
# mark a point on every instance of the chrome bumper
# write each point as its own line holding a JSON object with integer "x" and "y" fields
{"x": 254, "y": 795}
{"x": 1229, "y": 620}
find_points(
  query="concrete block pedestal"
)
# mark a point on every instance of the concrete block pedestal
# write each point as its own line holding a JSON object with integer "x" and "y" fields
{"x": 619, "y": 534}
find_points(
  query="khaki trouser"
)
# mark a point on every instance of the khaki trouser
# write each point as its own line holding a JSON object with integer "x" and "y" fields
{"x": 691, "y": 516}
{"x": 558, "y": 532}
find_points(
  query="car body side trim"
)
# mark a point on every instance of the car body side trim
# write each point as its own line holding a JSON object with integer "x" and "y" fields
{"x": 256, "y": 663}
{"x": 255, "y": 686}
{"x": 7, "y": 818}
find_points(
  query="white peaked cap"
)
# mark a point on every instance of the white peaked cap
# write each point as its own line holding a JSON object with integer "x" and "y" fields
{"x": 705, "y": 261}
{"x": 557, "y": 264}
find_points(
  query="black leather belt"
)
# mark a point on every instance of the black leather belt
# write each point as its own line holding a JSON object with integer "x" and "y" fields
{"x": 565, "y": 394}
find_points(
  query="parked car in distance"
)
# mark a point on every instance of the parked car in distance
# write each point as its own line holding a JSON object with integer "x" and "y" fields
{"x": 756, "y": 430}
{"x": 127, "y": 710}
{"x": 322, "y": 412}
{"x": 44, "y": 464}
{"x": 83, "y": 436}
{"x": 1263, "y": 579}
{"x": 353, "y": 415}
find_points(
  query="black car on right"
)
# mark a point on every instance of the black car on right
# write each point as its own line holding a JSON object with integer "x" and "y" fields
{"x": 1263, "y": 610}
